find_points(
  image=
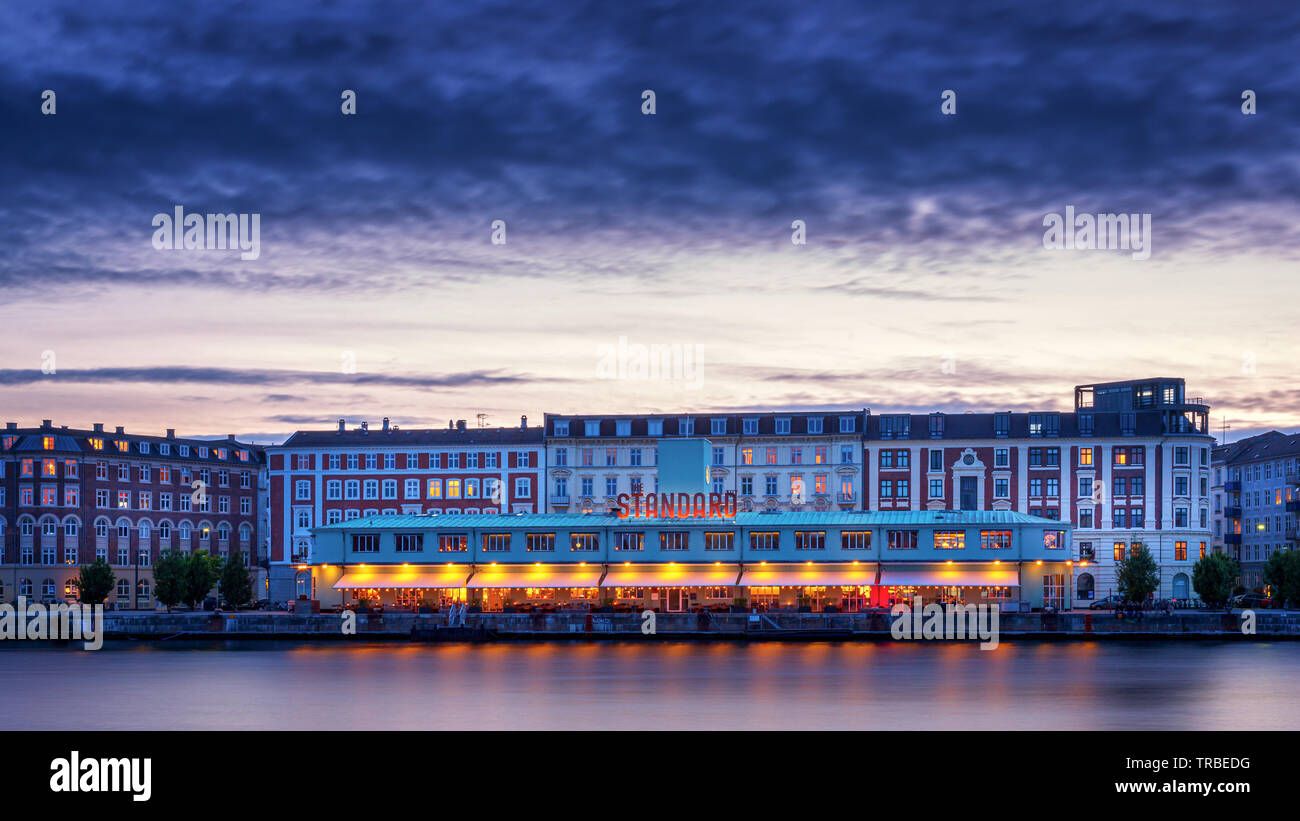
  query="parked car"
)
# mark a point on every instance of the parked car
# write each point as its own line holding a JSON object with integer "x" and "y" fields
{"x": 1249, "y": 600}
{"x": 1108, "y": 603}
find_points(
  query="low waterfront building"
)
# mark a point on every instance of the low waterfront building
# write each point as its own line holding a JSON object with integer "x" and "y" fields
{"x": 818, "y": 561}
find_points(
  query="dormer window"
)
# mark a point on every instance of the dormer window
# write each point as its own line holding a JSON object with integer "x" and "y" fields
{"x": 655, "y": 427}
{"x": 814, "y": 424}
{"x": 203, "y": 452}
{"x": 686, "y": 426}
{"x": 185, "y": 450}
{"x": 164, "y": 449}
{"x": 561, "y": 427}
{"x": 47, "y": 442}
{"x": 591, "y": 427}
{"x": 144, "y": 447}
{"x": 783, "y": 424}
{"x": 623, "y": 427}
{"x": 848, "y": 424}
{"x": 121, "y": 445}
{"x": 718, "y": 427}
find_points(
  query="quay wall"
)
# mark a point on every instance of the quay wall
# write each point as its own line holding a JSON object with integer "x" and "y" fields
{"x": 778, "y": 626}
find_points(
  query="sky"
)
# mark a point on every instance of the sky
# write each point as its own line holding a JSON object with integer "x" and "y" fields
{"x": 923, "y": 282}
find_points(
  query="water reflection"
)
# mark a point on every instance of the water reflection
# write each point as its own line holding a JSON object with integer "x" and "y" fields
{"x": 633, "y": 685}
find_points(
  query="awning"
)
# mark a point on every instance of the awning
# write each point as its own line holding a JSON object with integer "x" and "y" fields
{"x": 804, "y": 575}
{"x": 533, "y": 576}
{"x": 682, "y": 575}
{"x": 950, "y": 577}
{"x": 407, "y": 578}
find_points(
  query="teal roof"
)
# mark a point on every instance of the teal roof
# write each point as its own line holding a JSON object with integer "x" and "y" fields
{"x": 567, "y": 521}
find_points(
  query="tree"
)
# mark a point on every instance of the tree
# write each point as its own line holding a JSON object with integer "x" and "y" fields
{"x": 201, "y": 572}
{"x": 95, "y": 582}
{"x": 236, "y": 588}
{"x": 1137, "y": 576}
{"x": 1213, "y": 578}
{"x": 169, "y": 578}
{"x": 1283, "y": 574}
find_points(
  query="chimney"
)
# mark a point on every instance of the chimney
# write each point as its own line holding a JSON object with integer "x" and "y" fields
{"x": 523, "y": 423}
{"x": 11, "y": 426}
{"x": 99, "y": 427}
{"x": 47, "y": 423}
{"x": 460, "y": 425}
{"x": 365, "y": 427}
{"x": 385, "y": 424}
{"x": 451, "y": 425}
{"x": 121, "y": 429}
{"x": 171, "y": 433}
{"x": 230, "y": 437}
{"x": 340, "y": 426}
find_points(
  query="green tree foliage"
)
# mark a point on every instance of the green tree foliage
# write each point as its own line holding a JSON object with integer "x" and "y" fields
{"x": 1213, "y": 578}
{"x": 96, "y": 581}
{"x": 1137, "y": 576}
{"x": 1283, "y": 574}
{"x": 169, "y": 575}
{"x": 201, "y": 573}
{"x": 236, "y": 587}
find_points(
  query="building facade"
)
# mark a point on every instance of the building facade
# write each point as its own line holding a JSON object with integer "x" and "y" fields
{"x": 1128, "y": 466}
{"x": 813, "y": 561}
{"x": 331, "y": 476}
{"x": 69, "y": 496}
{"x": 772, "y": 461}
{"x": 1257, "y": 501}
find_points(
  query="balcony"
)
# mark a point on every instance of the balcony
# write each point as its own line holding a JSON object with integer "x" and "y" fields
{"x": 1232, "y": 538}
{"x": 1293, "y": 506}
{"x": 845, "y": 498}
{"x": 560, "y": 501}
{"x": 1232, "y": 512}
{"x": 1232, "y": 487}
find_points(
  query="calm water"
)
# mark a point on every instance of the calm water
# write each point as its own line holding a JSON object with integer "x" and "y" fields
{"x": 883, "y": 685}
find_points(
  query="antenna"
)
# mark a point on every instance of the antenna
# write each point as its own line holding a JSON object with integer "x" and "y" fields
{"x": 1225, "y": 427}
{"x": 482, "y": 419}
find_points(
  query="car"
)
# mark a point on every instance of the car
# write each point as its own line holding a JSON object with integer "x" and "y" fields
{"x": 1108, "y": 603}
{"x": 1249, "y": 600}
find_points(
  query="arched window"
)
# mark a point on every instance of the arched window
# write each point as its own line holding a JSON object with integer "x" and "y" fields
{"x": 223, "y": 532}
{"x": 164, "y": 530}
{"x": 184, "y": 531}
{"x": 142, "y": 589}
{"x": 1087, "y": 586}
{"x": 205, "y": 533}
{"x": 123, "y": 588}
{"x": 144, "y": 531}
{"x": 25, "y": 587}
{"x": 49, "y": 527}
{"x": 101, "y": 528}
{"x": 71, "y": 528}
{"x": 1180, "y": 586}
{"x": 123, "y": 529}
{"x": 71, "y": 589}
{"x": 47, "y": 590}
{"x": 245, "y": 534}
{"x": 27, "y": 526}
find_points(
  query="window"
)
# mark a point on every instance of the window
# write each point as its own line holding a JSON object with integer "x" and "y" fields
{"x": 765, "y": 540}
{"x": 453, "y": 488}
{"x": 1001, "y": 488}
{"x": 936, "y": 488}
{"x": 719, "y": 540}
{"x": 810, "y": 540}
{"x": 995, "y": 539}
{"x": 1180, "y": 551}
{"x": 496, "y": 542}
{"x": 783, "y": 424}
{"x": 901, "y": 539}
{"x": 1182, "y": 455}
{"x": 1054, "y": 539}
{"x": 855, "y": 539}
{"x": 410, "y": 542}
{"x": 936, "y": 426}
{"x": 453, "y": 543}
{"x": 846, "y": 454}
{"x": 747, "y": 456}
{"x": 1085, "y": 457}
{"x": 629, "y": 541}
{"x": 585, "y": 542}
{"x": 936, "y": 459}
{"x": 539, "y": 542}
{"x": 523, "y": 487}
{"x": 1001, "y": 458}
{"x": 886, "y": 488}
{"x": 302, "y": 489}
{"x": 950, "y": 540}
{"x": 895, "y": 426}
{"x": 365, "y": 542}
{"x": 674, "y": 540}
{"x": 771, "y": 456}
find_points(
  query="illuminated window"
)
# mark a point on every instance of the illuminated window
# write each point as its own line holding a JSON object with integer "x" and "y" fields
{"x": 629, "y": 541}
{"x": 674, "y": 540}
{"x": 810, "y": 540}
{"x": 747, "y": 456}
{"x": 453, "y": 488}
{"x": 97, "y": 444}
{"x": 540, "y": 542}
{"x": 585, "y": 543}
{"x": 995, "y": 539}
{"x": 950, "y": 540}
{"x": 855, "y": 539}
{"x": 49, "y": 467}
{"x": 1054, "y": 539}
{"x": 47, "y": 442}
{"x": 719, "y": 540}
{"x": 121, "y": 445}
{"x": 1085, "y": 456}
{"x": 434, "y": 488}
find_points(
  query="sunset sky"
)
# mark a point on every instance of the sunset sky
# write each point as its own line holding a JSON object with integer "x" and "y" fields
{"x": 923, "y": 285}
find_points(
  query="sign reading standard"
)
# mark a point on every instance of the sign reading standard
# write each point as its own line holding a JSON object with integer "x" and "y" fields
{"x": 677, "y": 505}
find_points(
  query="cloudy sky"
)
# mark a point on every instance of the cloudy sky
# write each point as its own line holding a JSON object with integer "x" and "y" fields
{"x": 379, "y": 291}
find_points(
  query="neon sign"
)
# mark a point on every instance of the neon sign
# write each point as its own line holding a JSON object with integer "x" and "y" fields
{"x": 677, "y": 505}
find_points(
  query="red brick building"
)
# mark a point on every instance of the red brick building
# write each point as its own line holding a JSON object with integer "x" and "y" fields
{"x": 68, "y": 496}
{"x": 322, "y": 477}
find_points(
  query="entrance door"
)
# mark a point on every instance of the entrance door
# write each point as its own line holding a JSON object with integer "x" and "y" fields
{"x": 968, "y": 495}
{"x": 676, "y": 600}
